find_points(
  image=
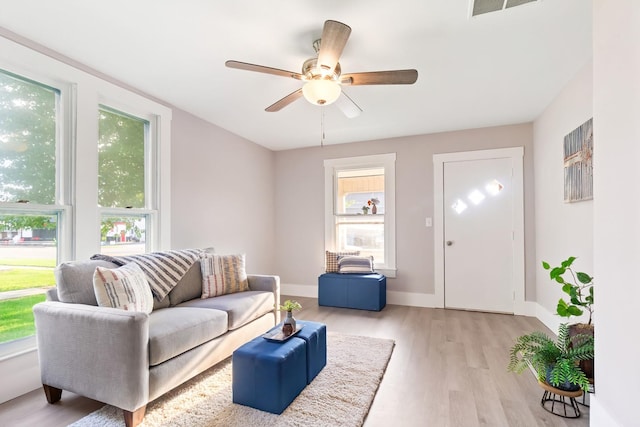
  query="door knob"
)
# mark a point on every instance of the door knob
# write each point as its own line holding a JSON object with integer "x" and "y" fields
{"x": 449, "y": 242}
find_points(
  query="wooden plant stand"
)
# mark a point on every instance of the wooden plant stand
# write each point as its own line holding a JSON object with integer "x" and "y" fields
{"x": 560, "y": 402}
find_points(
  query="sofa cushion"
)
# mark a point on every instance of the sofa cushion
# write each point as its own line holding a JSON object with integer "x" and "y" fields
{"x": 157, "y": 305}
{"x": 124, "y": 287}
{"x": 172, "y": 331}
{"x": 74, "y": 281}
{"x": 189, "y": 287}
{"x": 241, "y": 307}
{"x": 223, "y": 274}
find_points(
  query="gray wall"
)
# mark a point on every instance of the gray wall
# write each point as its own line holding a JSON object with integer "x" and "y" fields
{"x": 222, "y": 189}
{"x": 616, "y": 130}
{"x": 300, "y": 206}
{"x": 562, "y": 229}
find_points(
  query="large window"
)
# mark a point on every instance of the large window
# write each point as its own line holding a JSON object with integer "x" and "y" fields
{"x": 123, "y": 182}
{"x": 32, "y": 208}
{"x": 60, "y": 192}
{"x": 360, "y": 201}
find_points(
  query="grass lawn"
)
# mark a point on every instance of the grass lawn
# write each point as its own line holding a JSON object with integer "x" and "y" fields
{"x": 16, "y": 317}
{"x": 28, "y": 262}
{"x": 25, "y": 278}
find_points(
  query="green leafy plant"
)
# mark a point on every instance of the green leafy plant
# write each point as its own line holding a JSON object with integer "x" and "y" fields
{"x": 560, "y": 357}
{"x": 579, "y": 287}
{"x": 290, "y": 306}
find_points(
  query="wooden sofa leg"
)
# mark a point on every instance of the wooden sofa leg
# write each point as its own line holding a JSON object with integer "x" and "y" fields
{"x": 132, "y": 419}
{"x": 53, "y": 394}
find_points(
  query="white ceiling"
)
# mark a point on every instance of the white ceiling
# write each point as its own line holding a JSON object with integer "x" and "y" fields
{"x": 495, "y": 69}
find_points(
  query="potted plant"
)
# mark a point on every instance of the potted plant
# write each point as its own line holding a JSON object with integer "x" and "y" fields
{"x": 555, "y": 362}
{"x": 289, "y": 324}
{"x": 579, "y": 288}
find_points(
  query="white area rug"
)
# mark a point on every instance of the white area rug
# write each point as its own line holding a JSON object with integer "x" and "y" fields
{"x": 340, "y": 395}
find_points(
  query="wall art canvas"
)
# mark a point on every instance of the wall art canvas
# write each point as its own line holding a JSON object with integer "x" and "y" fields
{"x": 578, "y": 163}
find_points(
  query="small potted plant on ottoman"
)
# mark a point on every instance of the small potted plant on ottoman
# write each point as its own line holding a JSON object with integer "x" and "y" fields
{"x": 289, "y": 323}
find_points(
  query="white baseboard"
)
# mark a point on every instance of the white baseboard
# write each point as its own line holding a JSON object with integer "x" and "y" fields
{"x": 598, "y": 416}
{"x": 550, "y": 320}
{"x": 525, "y": 308}
{"x": 397, "y": 298}
{"x": 310, "y": 291}
{"x": 411, "y": 299}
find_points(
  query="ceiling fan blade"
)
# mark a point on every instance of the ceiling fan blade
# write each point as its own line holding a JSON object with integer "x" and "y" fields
{"x": 334, "y": 37}
{"x": 279, "y": 105}
{"x": 262, "y": 69}
{"x": 348, "y": 106}
{"x": 394, "y": 77}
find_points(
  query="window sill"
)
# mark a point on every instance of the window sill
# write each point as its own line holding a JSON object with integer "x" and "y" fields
{"x": 18, "y": 347}
{"x": 388, "y": 272}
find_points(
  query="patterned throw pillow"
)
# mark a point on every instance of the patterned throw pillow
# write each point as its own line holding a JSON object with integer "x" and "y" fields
{"x": 355, "y": 264}
{"x": 331, "y": 263}
{"x": 223, "y": 274}
{"x": 124, "y": 287}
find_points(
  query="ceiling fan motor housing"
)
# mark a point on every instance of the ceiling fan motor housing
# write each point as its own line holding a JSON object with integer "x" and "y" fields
{"x": 311, "y": 70}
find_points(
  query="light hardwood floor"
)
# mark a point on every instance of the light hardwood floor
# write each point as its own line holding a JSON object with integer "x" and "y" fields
{"x": 448, "y": 369}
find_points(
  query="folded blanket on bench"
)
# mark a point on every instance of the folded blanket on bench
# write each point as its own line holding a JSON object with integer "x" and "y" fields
{"x": 163, "y": 269}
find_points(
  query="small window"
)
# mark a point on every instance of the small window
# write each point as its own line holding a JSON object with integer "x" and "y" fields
{"x": 124, "y": 183}
{"x": 123, "y": 235}
{"x": 360, "y": 208}
{"x": 121, "y": 156}
{"x": 28, "y": 140}
{"x": 28, "y": 255}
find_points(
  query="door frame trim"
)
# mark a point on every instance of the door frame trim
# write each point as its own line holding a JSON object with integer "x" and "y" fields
{"x": 516, "y": 155}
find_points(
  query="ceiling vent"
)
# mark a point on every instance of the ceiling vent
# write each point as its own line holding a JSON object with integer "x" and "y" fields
{"x": 486, "y": 6}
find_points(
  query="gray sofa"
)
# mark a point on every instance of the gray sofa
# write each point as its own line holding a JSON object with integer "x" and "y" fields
{"x": 127, "y": 359}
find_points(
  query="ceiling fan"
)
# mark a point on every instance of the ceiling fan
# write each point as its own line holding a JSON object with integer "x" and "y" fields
{"x": 323, "y": 75}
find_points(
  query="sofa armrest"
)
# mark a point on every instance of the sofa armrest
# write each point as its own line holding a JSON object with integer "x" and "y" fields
{"x": 98, "y": 352}
{"x": 264, "y": 282}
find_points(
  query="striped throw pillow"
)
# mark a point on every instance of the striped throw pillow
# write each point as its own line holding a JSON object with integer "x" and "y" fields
{"x": 355, "y": 264}
{"x": 124, "y": 287}
{"x": 331, "y": 262}
{"x": 223, "y": 274}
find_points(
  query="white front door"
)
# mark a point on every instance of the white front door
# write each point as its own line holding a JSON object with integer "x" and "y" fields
{"x": 478, "y": 205}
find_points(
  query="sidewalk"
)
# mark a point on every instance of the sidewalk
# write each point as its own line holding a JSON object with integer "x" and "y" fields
{"x": 23, "y": 293}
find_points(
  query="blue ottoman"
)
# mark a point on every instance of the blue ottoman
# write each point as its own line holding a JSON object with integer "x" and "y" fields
{"x": 269, "y": 375}
{"x": 314, "y": 335}
{"x": 361, "y": 291}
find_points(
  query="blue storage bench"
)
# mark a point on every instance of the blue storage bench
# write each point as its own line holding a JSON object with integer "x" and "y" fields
{"x": 361, "y": 291}
{"x": 269, "y": 375}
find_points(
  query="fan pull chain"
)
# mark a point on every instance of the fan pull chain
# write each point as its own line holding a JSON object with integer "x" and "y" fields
{"x": 322, "y": 127}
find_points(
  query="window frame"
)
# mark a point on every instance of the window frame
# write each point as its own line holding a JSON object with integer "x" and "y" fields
{"x": 150, "y": 211}
{"x": 81, "y": 92}
{"x": 61, "y": 206}
{"x": 385, "y": 161}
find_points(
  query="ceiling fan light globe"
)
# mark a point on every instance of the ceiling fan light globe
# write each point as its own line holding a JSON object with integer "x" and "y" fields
{"x": 321, "y": 91}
